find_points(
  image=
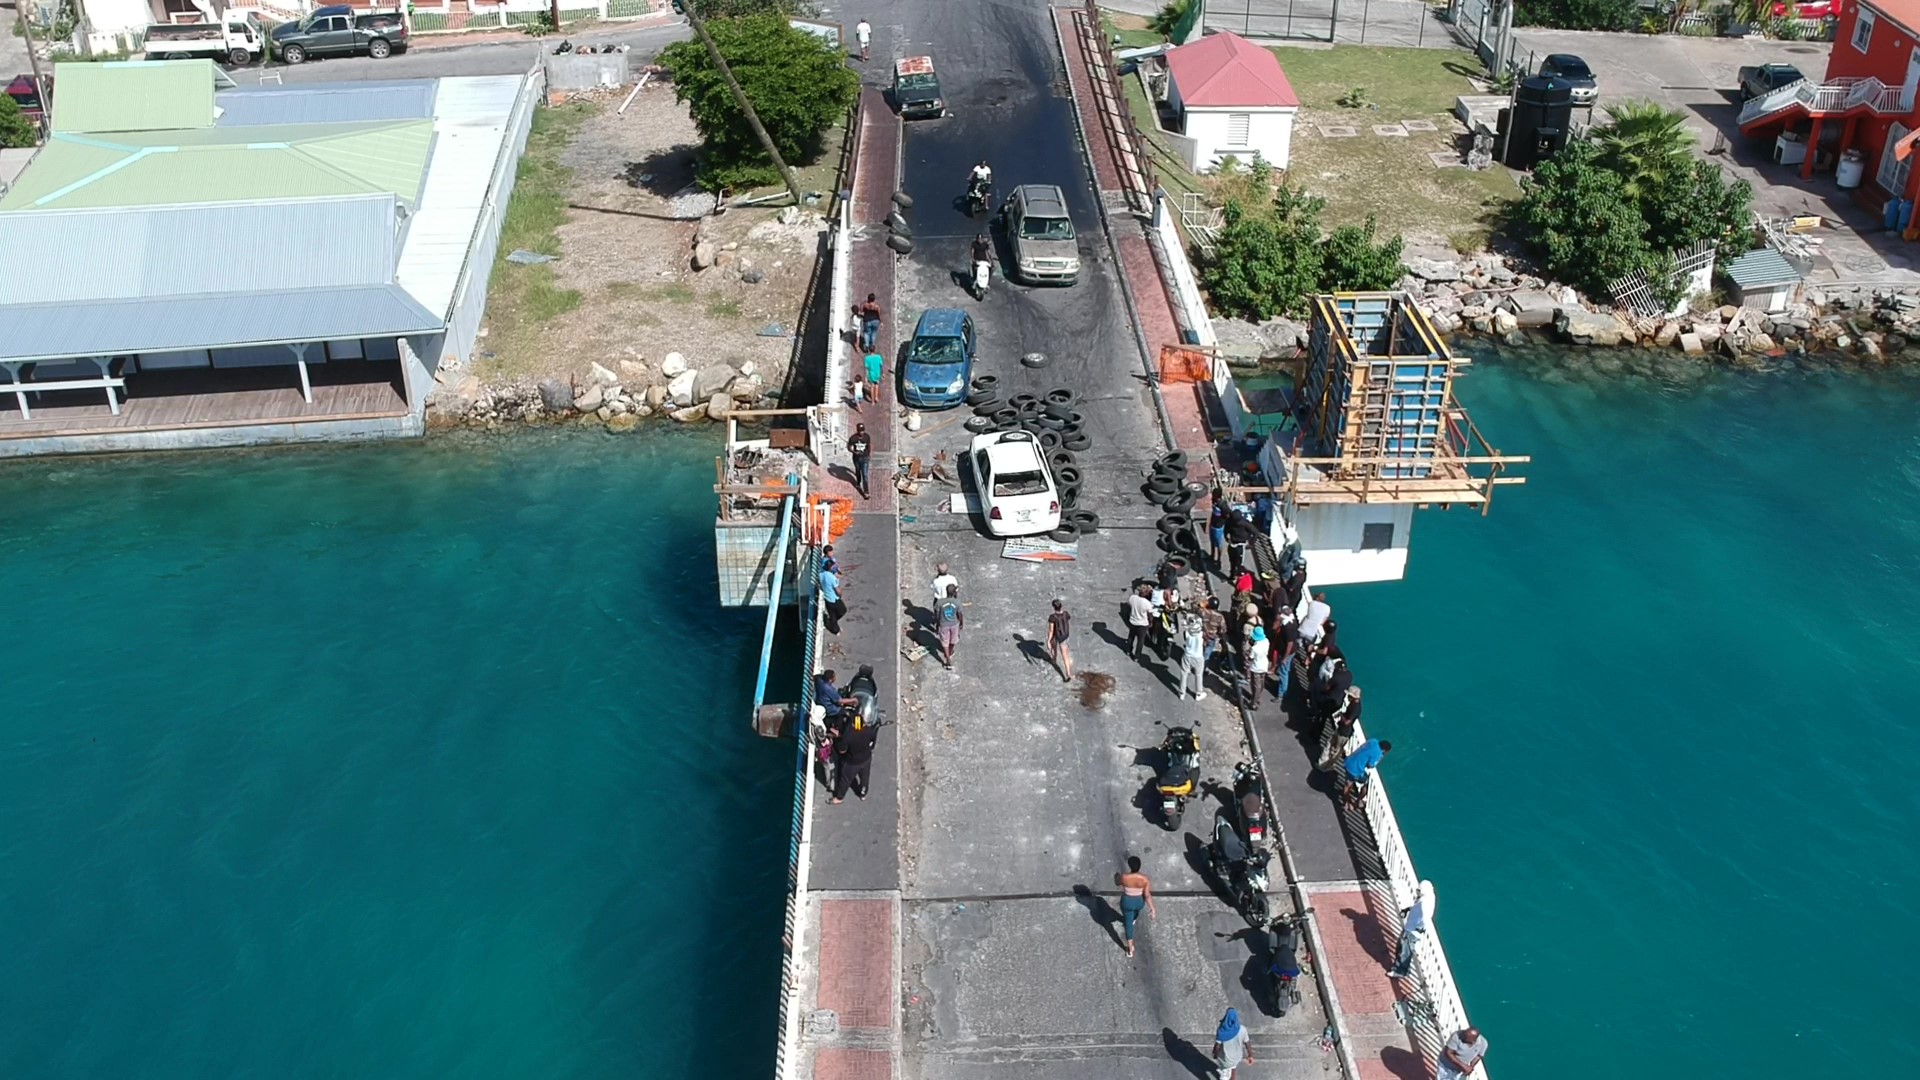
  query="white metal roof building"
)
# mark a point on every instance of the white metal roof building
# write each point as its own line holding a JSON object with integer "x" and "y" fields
{"x": 147, "y": 321}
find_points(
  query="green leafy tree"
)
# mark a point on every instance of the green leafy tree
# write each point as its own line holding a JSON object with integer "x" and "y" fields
{"x": 1352, "y": 259}
{"x": 1166, "y": 21}
{"x": 15, "y": 129}
{"x": 1579, "y": 214}
{"x": 1645, "y": 143}
{"x": 1698, "y": 203}
{"x": 735, "y": 9}
{"x": 1264, "y": 265}
{"x": 799, "y": 85}
{"x": 1578, "y": 14}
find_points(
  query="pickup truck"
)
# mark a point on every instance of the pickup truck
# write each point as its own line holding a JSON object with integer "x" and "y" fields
{"x": 339, "y": 30}
{"x": 26, "y": 94}
{"x": 1759, "y": 80}
{"x": 237, "y": 41}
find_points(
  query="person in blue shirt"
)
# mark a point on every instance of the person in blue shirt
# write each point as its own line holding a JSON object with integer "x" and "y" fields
{"x": 830, "y": 595}
{"x": 1357, "y": 764}
{"x": 827, "y": 693}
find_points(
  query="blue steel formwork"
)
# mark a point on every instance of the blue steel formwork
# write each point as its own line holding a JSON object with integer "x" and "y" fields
{"x": 1378, "y": 386}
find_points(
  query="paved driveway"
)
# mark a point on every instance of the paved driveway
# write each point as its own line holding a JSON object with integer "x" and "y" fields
{"x": 1698, "y": 76}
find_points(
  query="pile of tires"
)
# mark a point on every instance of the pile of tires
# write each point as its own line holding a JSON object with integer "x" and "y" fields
{"x": 1168, "y": 488}
{"x": 1060, "y": 428}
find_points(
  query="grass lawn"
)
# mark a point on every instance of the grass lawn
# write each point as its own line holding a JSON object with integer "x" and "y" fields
{"x": 521, "y": 299}
{"x": 1130, "y": 29}
{"x": 1391, "y": 177}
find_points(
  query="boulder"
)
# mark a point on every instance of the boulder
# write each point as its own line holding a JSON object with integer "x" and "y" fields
{"x": 592, "y": 399}
{"x": 745, "y": 388}
{"x": 632, "y": 371}
{"x": 555, "y": 395}
{"x": 1282, "y": 336}
{"x": 623, "y": 423}
{"x": 603, "y": 412}
{"x": 1708, "y": 333}
{"x": 680, "y": 389}
{"x": 672, "y": 364}
{"x": 1583, "y": 327}
{"x": 719, "y": 405}
{"x": 1432, "y": 269}
{"x": 712, "y": 379}
{"x": 753, "y": 277}
{"x": 657, "y": 395}
{"x": 747, "y": 368}
{"x": 723, "y": 260}
{"x": 703, "y": 254}
{"x": 690, "y": 414}
{"x": 1665, "y": 336}
{"x": 602, "y": 376}
{"x": 1761, "y": 343}
{"x": 1531, "y": 308}
{"x": 1505, "y": 323}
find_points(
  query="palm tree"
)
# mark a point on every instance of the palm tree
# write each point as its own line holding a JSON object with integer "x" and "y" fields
{"x": 1643, "y": 142}
{"x": 1167, "y": 19}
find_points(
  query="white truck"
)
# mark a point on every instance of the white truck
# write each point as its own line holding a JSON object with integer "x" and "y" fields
{"x": 237, "y": 41}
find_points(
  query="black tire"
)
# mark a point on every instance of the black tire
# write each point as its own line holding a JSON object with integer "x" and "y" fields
{"x": 294, "y": 54}
{"x": 1051, "y": 423}
{"x": 1077, "y": 420}
{"x": 1059, "y": 410}
{"x": 1087, "y": 520}
{"x": 1185, "y": 543}
{"x": 239, "y": 58}
{"x": 1166, "y": 544}
{"x": 1197, "y": 489}
{"x": 1161, "y": 485}
{"x": 1004, "y": 416}
{"x": 1069, "y": 498}
{"x": 379, "y": 49}
{"x": 1060, "y": 459}
{"x": 1181, "y": 503}
{"x": 979, "y": 425}
{"x": 978, "y": 398}
{"x": 1034, "y": 360}
{"x": 1180, "y": 564}
{"x": 989, "y": 407}
{"x": 1174, "y": 462}
{"x": 1049, "y": 441}
{"x": 1067, "y": 533}
{"x": 1069, "y": 476}
{"x": 987, "y": 382}
{"x": 903, "y": 200}
{"x": 1022, "y": 401}
{"x": 1075, "y": 441}
{"x": 1062, "y": 395}
{"x": 1171, "y": 820}
{"x": 1172, "y": 523}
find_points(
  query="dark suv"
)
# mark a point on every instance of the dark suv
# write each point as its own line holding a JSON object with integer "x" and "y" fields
{"x": 337, "y": 30}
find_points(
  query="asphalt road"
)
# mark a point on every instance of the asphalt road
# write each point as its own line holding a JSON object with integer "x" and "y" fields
{"x": 1022, "y": 795}
{"x": 482, "y": 58}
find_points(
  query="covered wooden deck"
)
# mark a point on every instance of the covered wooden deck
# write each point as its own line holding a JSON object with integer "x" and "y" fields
{"x": 180, "y": 400}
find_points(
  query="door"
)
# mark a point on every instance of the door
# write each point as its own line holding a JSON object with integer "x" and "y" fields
{"x": 335, "y": 35}
{"x": 1892, "y": 176}
{"x": 1913, "y": 80}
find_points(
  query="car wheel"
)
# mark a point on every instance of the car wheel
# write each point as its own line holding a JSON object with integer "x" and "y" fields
{"x": 294, "y": 54}
{"x": 379, "y": 49}
{"x": 979, "y": 425}
{"x": 238, "y": 58}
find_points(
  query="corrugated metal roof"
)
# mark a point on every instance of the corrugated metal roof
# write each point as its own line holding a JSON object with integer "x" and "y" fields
{"x": 144, "y": 169}
{"x": 1760, "y": 269}
{"x": 133, "y": 95}
{"x": 470, "y": 123}
{"x": 232, "y": 320}
{"x": 326, "y": 103}
{"x": 180, "y": 251}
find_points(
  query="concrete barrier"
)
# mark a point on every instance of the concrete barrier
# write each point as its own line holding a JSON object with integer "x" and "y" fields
{"x": 577, "y": 71}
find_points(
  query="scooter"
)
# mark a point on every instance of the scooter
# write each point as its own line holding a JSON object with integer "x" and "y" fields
{"x": 979, "y": 198}
{"x": 1242, "y": 871}
{"x": 1179, "y": 774}
{"x": 982, "y": 273}
{"x": 1249, "y": 796}
{"x": 1283, "y": 960}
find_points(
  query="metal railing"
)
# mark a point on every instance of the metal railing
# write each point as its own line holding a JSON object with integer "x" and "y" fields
{"x": 1830, "y": 96}
{"x": 1124, "y": 137}
{"x": 800, "y": 836}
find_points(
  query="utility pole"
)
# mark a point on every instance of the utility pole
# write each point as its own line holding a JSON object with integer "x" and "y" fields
{"x": 740, "y": 96}
{"x": 33, "y": 61}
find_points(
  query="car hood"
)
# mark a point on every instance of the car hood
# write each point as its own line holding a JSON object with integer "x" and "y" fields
{"x": 1031, "y": 248}
{"x": 919, "y": 94}
{"x": 932, "y": 374}
{"x": 285, "y": 31}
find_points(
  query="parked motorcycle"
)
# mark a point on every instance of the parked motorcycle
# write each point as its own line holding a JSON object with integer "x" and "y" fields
{"x": 1179, "y": 774}
{"x": 1283, "y": 960}
{"x": 1242, "y": 870}
{"x": 1250, "y": 797}
{"x": 982, "y": 274}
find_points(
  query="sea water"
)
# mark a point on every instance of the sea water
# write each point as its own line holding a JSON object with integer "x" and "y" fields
{"x": 1655, "y": 727}
{"x": 409, "y": 760}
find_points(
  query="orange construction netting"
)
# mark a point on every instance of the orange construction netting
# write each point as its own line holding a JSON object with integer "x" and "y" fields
{"x": 839, "y": 520}
{"x": 1180, "y": 365}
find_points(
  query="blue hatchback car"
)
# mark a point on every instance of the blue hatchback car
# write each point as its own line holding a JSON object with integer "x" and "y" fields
{"x": 939, "y": 360}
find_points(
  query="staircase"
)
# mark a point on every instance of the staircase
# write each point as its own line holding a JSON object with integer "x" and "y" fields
{"x": 1836, "y": 97}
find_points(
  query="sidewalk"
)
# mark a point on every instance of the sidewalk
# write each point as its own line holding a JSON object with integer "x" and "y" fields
{"x": 444, "y": 39}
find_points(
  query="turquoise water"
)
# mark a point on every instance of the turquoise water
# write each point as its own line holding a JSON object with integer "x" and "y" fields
{"x": 399, "y": 761}
{"x": 1655, "y": 730}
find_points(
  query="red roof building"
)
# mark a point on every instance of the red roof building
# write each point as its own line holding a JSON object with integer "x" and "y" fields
{"x": 1231, "y": 100}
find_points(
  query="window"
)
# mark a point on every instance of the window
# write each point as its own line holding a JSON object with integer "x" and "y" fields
{"x": 1863, "y": 30}
{"x": 1237, "y": 124}
{"x": 1377, "y": 536}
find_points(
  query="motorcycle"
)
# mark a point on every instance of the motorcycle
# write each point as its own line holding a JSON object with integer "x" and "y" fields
{"x": 979, "y": 198}
{"x": 1242, "y": 871}
{"x": 865, "y": 695}
{"x": 1249, "y": 796}
{"x": 1283, "y": 960}
{"x": 1179, "y": 774}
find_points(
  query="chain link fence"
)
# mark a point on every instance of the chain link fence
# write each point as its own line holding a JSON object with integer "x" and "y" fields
{"x": 1407, "y": 23}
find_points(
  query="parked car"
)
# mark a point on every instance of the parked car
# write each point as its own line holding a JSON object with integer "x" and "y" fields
{"x": 336, "y": 30}
{"x": 939, "y": 360}
{"x": 1017, "y": 492}
{"x": 916, "y": 89}
{"x": 1759, "y": 80}
{"x": 1573, "y": 71}
{"x": 26, "y": 95}
{"x": 237, "y": 41}
{"x": 1041, "y": 235}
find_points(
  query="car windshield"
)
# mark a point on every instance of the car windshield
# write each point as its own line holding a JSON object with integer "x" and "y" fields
{"x": 1571, "y": 66}
{"x": 921, "y": 81}
{"x": 1019, "y": 483}
{"x": 937, "y": 350}
{"x": 1046, "y": 228}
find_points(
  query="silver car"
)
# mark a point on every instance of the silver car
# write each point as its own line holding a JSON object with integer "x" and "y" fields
{"x": 1040, "y": 232}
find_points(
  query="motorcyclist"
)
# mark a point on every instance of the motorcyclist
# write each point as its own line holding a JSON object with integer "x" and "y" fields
{"x": 980, "y": 184}
{"x": 982, "y": 263}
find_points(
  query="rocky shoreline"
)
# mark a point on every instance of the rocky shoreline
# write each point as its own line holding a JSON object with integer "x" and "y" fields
{"x": 1484, "y": 296}
{"x": 619, "y": 400}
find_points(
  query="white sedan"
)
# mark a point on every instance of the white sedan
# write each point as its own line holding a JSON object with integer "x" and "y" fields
{"x": 1017, "y": 492}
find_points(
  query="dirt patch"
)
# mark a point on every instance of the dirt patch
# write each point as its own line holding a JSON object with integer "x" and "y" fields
{"x": 626, "y": 248}
{"x": 1096, "y": 689}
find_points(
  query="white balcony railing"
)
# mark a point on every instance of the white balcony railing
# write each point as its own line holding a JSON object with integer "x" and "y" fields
{"x": 1832, "y": 96}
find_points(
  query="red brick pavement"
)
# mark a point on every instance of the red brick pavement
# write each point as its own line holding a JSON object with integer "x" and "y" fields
{"x": 840, "y": 1063}
{"x": 1359, "y": 950}
{"x": 856, "y": 962}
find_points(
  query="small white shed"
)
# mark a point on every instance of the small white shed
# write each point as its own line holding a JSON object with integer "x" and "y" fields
{"x": 1230, "y": 99}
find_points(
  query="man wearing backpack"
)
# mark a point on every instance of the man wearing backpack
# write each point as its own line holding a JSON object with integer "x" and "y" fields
{"x": 947, "y": 621}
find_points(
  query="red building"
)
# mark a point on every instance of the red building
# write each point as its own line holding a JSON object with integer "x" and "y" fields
{"x": 1865, "y": 101}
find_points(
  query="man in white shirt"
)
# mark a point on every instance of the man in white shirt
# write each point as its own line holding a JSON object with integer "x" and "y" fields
{"x": 1462, "y": 1054}
{"x": 1314, "y": 626}
{"x": 941, "y": 580}
{"x": 1139, "y": 618}
{"x": 863, "y": 33}
{"x": 1193, "y": 651}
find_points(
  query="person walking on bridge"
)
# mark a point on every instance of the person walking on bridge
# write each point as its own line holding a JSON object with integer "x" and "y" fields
{"x": 860, "y": 445}
{"x": 1059, "y": 628}
{"x": 863, "y": 33}
{"x": 1136, "y": 892}
{"x": 868, "y": 313}
{"x": 948, "y": 620}
{"x": 943, "y": 580}
{"x": 1139, "y": 619}
{"x": 1231, "y": 1046}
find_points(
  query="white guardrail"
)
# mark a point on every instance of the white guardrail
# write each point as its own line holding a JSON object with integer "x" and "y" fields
{"x": 840, "y": 308}
{"x": 1189, "y": 305}
{"x": 1449, "y": 1013}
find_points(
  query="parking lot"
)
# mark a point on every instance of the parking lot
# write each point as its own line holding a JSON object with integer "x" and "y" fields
{"x": 1699, "y": 76}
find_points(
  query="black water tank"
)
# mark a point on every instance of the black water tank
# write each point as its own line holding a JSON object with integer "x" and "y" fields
{"x": 1542, "y": 118}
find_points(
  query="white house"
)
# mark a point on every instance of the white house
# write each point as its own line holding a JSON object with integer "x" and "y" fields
{"x": 1230, "y": 99}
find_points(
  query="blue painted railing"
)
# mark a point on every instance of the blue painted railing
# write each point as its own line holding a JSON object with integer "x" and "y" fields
{"x": 773, "y": 600}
